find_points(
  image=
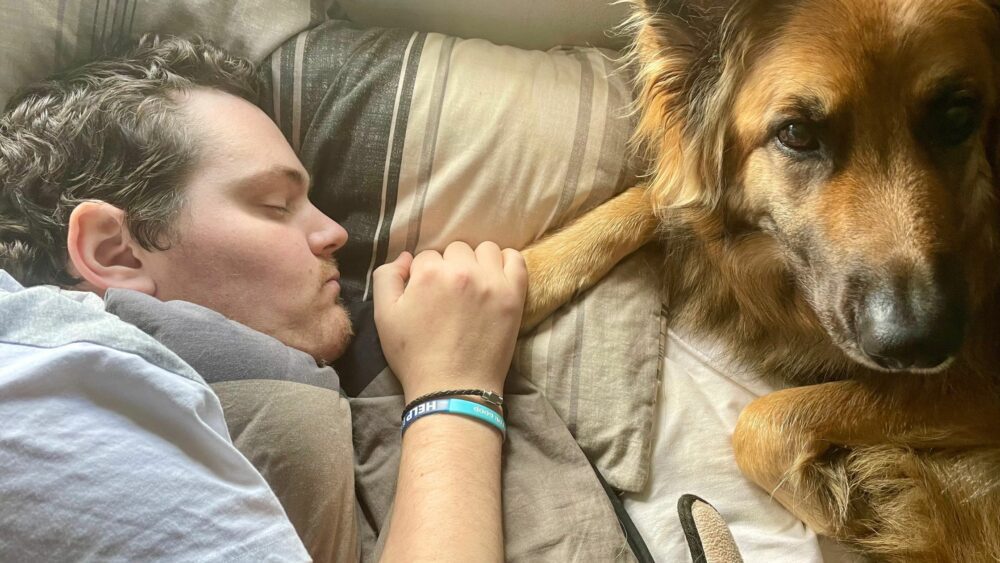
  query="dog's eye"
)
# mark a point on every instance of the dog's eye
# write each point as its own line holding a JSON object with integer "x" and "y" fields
{"x": 952, "y": 122}
{"x": 799, "y": 137}
{"x": 958, "y": 123}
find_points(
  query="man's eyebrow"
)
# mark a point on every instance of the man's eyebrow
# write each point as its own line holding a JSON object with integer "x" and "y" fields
{"x": 295, "y": 176}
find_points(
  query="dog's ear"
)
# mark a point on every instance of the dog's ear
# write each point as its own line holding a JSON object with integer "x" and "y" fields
{"x": 683, "y": 26}
{"x": 681, "y": 49}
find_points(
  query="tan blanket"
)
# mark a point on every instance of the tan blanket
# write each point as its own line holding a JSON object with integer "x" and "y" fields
{"x": 554, "y": 507}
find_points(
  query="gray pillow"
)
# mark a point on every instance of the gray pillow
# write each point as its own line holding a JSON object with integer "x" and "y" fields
{"x": 217, "y": 348}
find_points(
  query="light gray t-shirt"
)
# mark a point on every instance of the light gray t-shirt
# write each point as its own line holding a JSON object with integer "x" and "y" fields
{"x": 114, "y": 449}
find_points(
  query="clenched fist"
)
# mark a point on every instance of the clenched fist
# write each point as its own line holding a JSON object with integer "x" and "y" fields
{"x": 449, "y": 321}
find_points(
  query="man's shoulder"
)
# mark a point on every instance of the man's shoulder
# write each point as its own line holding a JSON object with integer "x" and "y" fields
{"x": 105, "y": 434}
{"x": 45, "y": 317}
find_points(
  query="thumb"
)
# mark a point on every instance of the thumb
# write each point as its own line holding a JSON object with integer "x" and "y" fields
{"x": 389, "y": 280}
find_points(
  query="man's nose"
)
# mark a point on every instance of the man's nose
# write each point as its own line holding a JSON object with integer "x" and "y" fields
{"x": 327, "y": 236}
{"x": 913, "y": 320}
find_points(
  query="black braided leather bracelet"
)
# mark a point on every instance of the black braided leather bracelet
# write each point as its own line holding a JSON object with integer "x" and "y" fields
{"x": 488, "y": 396}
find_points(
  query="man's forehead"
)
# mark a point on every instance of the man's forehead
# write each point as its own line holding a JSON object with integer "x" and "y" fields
{"x": 240, "y": 140}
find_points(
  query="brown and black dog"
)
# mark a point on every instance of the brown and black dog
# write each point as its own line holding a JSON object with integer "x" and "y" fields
{"x": 823, "y": 180}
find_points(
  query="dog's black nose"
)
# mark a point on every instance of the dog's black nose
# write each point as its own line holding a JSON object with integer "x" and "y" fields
{"x": 912, "y": 321}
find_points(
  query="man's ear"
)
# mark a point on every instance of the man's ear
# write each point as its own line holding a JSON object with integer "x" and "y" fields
{"x": 102, "y": 252}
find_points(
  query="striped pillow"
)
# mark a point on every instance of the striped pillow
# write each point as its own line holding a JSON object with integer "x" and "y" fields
{"x": 417, "y": 139}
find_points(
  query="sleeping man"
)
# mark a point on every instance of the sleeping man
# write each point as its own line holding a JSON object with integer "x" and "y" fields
{"x": 164, "y": 267}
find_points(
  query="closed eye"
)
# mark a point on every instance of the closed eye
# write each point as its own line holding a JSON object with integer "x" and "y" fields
{"x": 281, "y": 209}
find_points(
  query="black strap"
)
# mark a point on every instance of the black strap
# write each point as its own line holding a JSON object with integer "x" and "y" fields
{"x": 691, "y": 532}
{"x": 632, "y": 535}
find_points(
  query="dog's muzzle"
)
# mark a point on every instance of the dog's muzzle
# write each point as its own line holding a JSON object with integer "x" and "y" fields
{"x": 909, "y": 321}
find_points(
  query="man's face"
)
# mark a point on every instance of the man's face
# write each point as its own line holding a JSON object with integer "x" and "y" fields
{"x": 249, "y": 243}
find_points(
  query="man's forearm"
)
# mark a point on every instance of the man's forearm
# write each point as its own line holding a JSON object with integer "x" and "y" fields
{"x": 447, "y": 505}
{"x": 449, "y": 321}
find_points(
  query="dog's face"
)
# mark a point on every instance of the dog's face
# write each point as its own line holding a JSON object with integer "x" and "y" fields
{"x": 857, "y": 138}
{"x": 860, "y": 135}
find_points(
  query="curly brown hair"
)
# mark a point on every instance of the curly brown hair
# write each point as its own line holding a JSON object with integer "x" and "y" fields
{"x": 107, "y": 131}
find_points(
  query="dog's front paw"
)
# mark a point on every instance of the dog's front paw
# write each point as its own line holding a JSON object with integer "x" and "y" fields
{"x": 574, "y": 258}
{"x": 789, "y": 462}
{"x": 550, "y": 285}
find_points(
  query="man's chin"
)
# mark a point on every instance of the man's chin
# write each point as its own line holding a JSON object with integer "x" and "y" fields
{"x": 335, "y": 351}
{"x": 339, "y": 337}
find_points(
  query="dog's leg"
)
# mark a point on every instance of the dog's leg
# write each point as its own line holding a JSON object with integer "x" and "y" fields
{"x": 574, "y": 258}
{"x": 785, "y": 441}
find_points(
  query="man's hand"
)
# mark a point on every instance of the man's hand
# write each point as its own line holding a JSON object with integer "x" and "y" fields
{"x": 450, "y": 321}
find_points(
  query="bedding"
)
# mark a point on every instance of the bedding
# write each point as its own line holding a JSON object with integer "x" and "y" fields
{"x": 416, "y": 139}
{"x": 700, "y": 399}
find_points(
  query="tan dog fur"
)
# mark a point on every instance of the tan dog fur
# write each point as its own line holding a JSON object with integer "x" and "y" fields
{"x": 903, "y": 465}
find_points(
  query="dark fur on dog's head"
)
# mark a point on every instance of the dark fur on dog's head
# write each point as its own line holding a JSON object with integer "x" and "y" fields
{"x": 849, "y": 146}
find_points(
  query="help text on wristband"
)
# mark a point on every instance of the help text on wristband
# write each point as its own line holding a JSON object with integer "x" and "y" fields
{"x": 455, "y": 406}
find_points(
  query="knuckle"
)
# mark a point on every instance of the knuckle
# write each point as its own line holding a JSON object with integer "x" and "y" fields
{"x": 424, "y": 255}
{"x": 488, "y": 292}
{"x": 514, "y": 256}
{"x": 422, "y": 273}
{"x": 460, "y": 277}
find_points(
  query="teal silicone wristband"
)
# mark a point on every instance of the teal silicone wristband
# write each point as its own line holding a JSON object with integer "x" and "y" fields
{"x": 455, "y": 406}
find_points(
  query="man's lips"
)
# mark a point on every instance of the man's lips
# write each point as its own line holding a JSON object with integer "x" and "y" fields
{"x": 333, "y": 281}
{"x": 331, "y": 276}
{"x": 331, "y": 273}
